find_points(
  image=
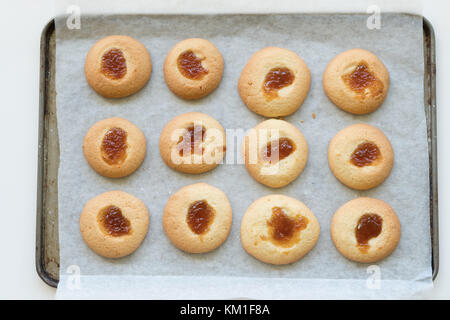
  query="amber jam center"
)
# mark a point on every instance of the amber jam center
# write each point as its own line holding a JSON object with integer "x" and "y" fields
{"x": 112, "y": 222}
{"x": 283, "y": 230}
{"x": 114, "y": 146}
{"x": 277, "y": 79}
{"x": 191, "y": 141}
{"x": 278, "y": 150}
{"x": 369, "y": 226}
{"x": 190, "y": 65}
{"x": 200, "y": 216}
{"x": 365, "y": 154}
{"x": 362, "y": 81}
{"x": 114, "y": 64}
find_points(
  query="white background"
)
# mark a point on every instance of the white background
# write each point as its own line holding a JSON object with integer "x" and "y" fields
{"x": 21, "y": 24}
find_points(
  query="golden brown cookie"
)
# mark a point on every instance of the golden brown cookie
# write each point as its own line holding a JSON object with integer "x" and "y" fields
{"x": 278, "y": 229}
{"x": 114, "y": 147}
{"x": 117, "y": 66}
{"x": 274, "y": 82}
{"x": 193, "y": 68}
{"x": 114, "y": 224}
{"x": 365, "y": 230}
{"x": 361, "y": 156}
{"x": 197, "y": 218}
{"x": 193, "y": 143}
{"x": 275, "y": 153}
{"x": 356, "y": 81}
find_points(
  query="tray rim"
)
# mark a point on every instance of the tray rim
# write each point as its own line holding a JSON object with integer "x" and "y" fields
{"x": 44, "y": 67}
{"x": 430, "y": 96}
{"x": 429, "y": 104}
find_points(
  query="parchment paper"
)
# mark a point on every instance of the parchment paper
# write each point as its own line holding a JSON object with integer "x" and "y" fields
{"x": 159, "y": 270}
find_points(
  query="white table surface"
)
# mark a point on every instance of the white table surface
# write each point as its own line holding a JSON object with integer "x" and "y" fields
{"x": 21, "y": 23}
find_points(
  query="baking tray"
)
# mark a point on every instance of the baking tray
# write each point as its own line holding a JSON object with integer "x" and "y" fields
{"x": 47, "y": 243}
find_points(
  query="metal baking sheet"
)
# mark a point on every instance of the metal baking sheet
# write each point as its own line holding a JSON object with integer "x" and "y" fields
{"x": 47, "y": 247}
{"x": 47, "y": 243}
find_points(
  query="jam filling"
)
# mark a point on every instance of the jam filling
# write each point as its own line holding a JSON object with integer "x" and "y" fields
{"x": 369, "y": 226}
{"x": 200, "y": 216}
{"x": 113, "y": 222}
{"x": 190, "y": 66}
{"x": 190, "y": 142}
{"x": 277, "y": 79}
{"x": 275, "y": 152}
{"x": 365, "y": 154}
{"x": 114, "y": 146}
{"x": 283, "y": 230}
{"x": 362, "y": 81}
{"x": 114, "y": 65}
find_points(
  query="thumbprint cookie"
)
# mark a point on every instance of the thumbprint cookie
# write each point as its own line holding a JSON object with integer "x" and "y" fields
{"x": 117, "y": 66}
{"x": 275, "y": 153}
{"x": 277, "y": 229}
{"x": 365, "y": 230}
{"x": 114, "y": 147}
{"x": 361, "y": 156}
{"x": 356, "y": 81}
{"x": 274, "y": 82}
{"x": 197, "y": 218}
{"x": 114, "y": 224}
{"x": 193, "y": 143}
{"x": 193, "y": 68}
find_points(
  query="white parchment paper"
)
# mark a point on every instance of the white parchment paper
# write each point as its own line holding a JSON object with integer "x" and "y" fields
{"x": 159, "y": 270}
